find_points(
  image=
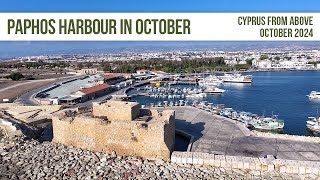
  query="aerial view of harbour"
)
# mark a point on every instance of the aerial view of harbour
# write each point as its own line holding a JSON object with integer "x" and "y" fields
{"x": 252, "y": 107}
{"x": 160, "y": 90}
{"x": 278, "y": 93}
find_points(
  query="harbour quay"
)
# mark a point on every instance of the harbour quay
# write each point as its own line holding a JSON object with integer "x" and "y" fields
{"x": 220, "y": 142}
{"x": 215, "y": 134}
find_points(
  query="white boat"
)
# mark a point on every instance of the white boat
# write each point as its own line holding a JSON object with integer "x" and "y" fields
{"x": 210, "y": 81}
{"x": 313, "y": 123}
{"x": 314, "y": 95}
{"x": 196, "y": 95}
{"x": 195, "y": 91}
{"x": 267, "y": 123}
{"x": 211, "y": 90}
{"x": 236, "y": 78}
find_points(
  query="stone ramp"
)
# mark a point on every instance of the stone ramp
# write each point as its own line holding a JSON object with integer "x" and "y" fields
{"x": 218, "y": 135}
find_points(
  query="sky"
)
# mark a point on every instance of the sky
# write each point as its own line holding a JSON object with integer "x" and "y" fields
{"x": 13, "y": 49}
{"x": 160, "y": 6}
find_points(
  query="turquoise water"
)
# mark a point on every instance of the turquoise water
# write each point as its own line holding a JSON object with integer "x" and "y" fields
{"x": 282, "y": 93}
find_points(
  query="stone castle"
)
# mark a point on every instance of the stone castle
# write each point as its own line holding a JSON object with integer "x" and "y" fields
{"x": 117, "y": 126}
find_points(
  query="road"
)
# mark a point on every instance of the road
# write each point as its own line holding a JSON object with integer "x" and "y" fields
{"x": 28, "y": 98}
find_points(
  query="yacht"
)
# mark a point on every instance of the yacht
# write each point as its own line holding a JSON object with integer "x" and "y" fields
{"x": 314, "y": 95}
{"x": 213, "y": 90}
{"x": 210, "y": 81}
{"x": 236, "y": 78}
{"x": 196, "y": 95}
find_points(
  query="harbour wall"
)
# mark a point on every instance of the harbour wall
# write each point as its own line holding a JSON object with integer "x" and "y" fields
{"x": 287, "y": 137}
{"x": 268, "y": 163}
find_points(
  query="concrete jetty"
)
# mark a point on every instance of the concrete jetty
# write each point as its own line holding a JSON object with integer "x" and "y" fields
{"x": 214, "y": 134}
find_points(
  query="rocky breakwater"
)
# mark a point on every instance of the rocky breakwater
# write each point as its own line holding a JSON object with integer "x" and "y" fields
{"x": 21, "y": 159}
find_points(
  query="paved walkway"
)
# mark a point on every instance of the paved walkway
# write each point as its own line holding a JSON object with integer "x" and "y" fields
{"x": 219, "y": 135}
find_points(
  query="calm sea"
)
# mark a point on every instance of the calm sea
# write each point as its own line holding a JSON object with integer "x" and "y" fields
{"x": 282, "y": 93}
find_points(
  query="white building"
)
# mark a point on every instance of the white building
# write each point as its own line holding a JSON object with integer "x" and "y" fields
{"x": 143, "y": 72}
{"x": 262, "y": 64}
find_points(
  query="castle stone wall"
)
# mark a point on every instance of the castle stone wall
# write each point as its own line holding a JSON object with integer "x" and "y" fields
{"x": 153, "y": 139}
{"x": 117, "y": 110}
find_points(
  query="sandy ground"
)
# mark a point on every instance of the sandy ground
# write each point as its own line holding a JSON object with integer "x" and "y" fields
{"x": 5, "y": 83}
{"x": 14, "y": 90}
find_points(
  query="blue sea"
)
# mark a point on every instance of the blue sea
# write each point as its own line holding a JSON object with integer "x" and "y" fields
{"x": 281, "y": 93}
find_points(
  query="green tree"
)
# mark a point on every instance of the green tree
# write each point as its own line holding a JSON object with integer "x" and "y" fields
{"x": 263, "y": 56}
{"x": 288, "y": 57}
{"x": 16, "y": 76}
{"x": 249, "y": 61}
{"x": 80, "y": 65}
{"x": 277, "y": 58}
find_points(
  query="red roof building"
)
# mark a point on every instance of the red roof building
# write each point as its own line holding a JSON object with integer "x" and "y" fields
{"x": 95, "y": 89}
{"x": 112, "y": 79}
{"x": 111, "y": 76}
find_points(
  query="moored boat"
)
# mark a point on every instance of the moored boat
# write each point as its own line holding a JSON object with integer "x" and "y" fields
{"x": 314, "y": 95}
{"x": 210, "y": 81}
{"x": 236, "y": 78}
{"x": 213, "y": 90}
{"x": 196, "y": 95}
{"x": 267, "y": 123}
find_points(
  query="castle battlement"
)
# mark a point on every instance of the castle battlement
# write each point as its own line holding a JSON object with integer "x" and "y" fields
{"x": 117, "y": 126}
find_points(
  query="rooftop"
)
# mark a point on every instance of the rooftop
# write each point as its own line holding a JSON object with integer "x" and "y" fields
{"x": 120, "y": 103}
{"x": 95, "y": 88}
{"x": 111, "y": 76}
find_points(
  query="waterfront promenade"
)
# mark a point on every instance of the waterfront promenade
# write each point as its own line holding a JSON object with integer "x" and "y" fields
{"x": 218, "y": 135}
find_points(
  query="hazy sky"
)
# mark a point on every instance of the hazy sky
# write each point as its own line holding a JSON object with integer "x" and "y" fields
{"x": 160, "y": 6}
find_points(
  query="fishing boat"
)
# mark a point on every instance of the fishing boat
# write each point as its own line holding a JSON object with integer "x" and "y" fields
{"x": 314, "y": 95}
{"x": 171, "y": 103}
{"x": 267, "y": 123}
{"x": 312, "y": 121}
{"x": 159, "y": 104}
{"x": 315, "y": 127}
{"x": 226, "y": 112}
{"x": 244, "y": 117}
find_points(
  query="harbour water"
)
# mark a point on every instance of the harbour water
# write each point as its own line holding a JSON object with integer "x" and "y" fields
{"x": 280, "y": 93}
